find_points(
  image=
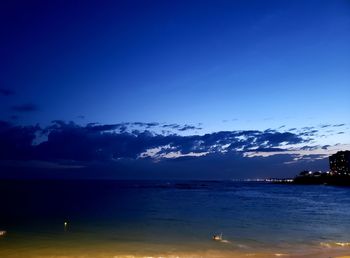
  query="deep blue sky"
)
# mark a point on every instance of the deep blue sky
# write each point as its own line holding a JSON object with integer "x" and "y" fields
{"x": 214, "y": 65}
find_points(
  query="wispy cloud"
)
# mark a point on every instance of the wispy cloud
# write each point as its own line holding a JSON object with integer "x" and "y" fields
{"x": 182, "y": 127}
{"x": 338, "y": 125}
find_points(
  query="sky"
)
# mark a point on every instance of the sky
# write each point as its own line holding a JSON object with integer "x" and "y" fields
{"x": 178, "y": 89}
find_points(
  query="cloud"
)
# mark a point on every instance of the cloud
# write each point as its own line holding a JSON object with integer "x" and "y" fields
{"x": 309, "y": 148}
{"x": 213, "y": 166}
{"x": 25, "y": 108}
{"x": 270, "y": 150}
{"x": 309, "y": 132}
{"x": 189, "y": 127}
{"x": 75, "y": 145}
{"x": 338, "y": 125}
{"x": 306, "y": 152}
{"x": 106, "y": 127}
{"x": 325, "y": 147}
{"x": 6, "y": 92}
{"x": 130, "y": 126}
{"x": 16, "y": 142}
{"x": 308, "y": 128}
{"x": 70, "y": 141}
{"x": 182, "y": 128}
{"x": 142, "y": 124}
{"x": 172, "y": 126}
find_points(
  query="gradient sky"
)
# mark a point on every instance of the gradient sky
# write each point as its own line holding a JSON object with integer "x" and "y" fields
{"x": 214, "y": 65}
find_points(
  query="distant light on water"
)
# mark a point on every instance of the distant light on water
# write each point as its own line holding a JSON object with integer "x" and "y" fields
{"x": 270, "y": 180}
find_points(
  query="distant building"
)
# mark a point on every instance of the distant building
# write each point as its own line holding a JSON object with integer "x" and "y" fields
{"x": 339, "y": 163}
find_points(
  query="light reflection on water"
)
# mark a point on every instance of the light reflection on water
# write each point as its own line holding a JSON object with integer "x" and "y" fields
{"x": 169, "y": 218}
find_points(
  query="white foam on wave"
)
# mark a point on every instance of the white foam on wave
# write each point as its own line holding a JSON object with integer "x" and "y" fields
{"x": 335, "y": 244}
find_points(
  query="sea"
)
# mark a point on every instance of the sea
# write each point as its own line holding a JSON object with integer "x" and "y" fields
{"x": 111, "y": 218}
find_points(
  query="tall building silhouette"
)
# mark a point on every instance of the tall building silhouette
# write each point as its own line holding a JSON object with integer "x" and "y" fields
{"x": 339, "y": 163}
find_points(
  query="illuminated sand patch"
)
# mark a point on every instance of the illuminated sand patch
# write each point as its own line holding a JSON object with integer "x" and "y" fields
{"x": 204, "y": 254}
{"x": 86, "y": 249}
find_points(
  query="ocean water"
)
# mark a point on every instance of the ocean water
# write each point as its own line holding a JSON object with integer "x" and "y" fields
{"x": 171, "y": 218}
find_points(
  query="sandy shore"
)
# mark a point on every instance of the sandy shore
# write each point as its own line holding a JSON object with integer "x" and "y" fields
{"x": 216, "y": 254}
{"x": 197, "y": 254}
{"x": 112, "y": 249}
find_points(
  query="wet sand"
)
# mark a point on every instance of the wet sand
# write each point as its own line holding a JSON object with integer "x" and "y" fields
{"x": 54, "y": 248}
{"x": 89, "y": 252}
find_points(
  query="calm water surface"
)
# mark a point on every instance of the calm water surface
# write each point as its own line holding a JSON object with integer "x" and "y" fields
{"x": 147, "y": 217}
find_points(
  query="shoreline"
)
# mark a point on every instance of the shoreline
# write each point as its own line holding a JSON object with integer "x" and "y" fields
{"x": 144, "y": 250}
{"x": 199, "y": 254}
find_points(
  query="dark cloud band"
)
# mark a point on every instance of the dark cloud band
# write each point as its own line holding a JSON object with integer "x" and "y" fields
{"x": 70, "y": 141}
